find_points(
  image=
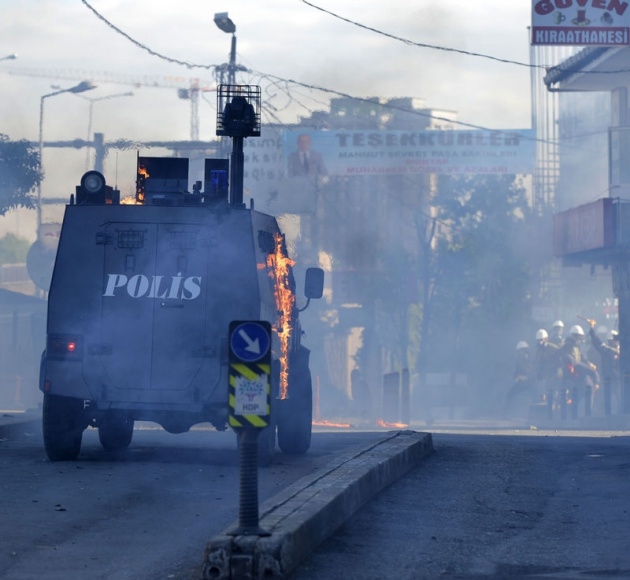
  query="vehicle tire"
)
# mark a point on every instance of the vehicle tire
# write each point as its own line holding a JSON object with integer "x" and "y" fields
{"x": 115, "y": 431}
{"x": 295, "y": 413}
{"x": 42, "y": 371}
{"x": 63, "y": 422}
{"x": 267, "y": 445}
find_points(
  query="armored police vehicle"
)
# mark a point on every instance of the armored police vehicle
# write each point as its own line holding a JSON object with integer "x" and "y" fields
{"x": 142, "y": 294}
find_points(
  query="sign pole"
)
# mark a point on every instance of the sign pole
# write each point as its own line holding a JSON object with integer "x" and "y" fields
{"x": 249, "y": 410}
{"x": 248, "y": 481}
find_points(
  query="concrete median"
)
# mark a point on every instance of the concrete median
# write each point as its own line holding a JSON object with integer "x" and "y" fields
{"x": 309, "y": 511}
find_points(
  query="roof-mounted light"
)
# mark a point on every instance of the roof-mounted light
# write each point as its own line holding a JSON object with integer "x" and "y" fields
{"x": 93, "y": 182}
{"x": 94, "y": 190}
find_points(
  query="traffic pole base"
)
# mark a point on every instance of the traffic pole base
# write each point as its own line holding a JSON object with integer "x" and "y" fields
{"x": 248, "y": 531}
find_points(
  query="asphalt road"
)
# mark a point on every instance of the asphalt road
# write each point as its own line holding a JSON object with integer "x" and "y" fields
{"x": 148, "y": 513}
{"x": 498, "y": 506}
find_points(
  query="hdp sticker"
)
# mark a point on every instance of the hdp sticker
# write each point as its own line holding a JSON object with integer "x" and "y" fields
{"x": 251, "y": 395}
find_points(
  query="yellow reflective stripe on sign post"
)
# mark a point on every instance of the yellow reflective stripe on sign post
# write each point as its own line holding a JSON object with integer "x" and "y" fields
{"x": 256, "y": 421}
{"x": 249, "y": 371}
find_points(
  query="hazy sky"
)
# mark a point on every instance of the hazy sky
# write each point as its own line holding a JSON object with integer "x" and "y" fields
{"x": 284, "y": 38}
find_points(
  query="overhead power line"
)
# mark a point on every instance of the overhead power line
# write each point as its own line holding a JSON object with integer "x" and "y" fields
{"x": 418, "y": 44}
{"x": 459, "y": 51}
{"x": 277, "y": 79}
{"x": 144, "y": 47}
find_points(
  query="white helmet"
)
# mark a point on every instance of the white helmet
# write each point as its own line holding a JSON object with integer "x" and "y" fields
{"x": 522, "y": 344}
{"x": 577, "y": 329}
{"x": 541, "y": 334}
{"x": 613, "y": 335}
{"x": 558, "y": 324}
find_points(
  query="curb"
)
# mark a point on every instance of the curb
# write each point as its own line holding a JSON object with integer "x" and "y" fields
{"x": 307, "y": 512}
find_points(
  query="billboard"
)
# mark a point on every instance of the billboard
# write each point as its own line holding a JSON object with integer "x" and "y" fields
{"x": 381, "y": 152}
{"x": 580, "y": 23}
{"x": 284, "y": 169}
{"x": 584, "y": 228}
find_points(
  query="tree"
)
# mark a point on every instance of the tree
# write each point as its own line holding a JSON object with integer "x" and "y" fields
{"x": 484, "y": 247}
{"x": 482, "y": 272}
{"x": 20, "y": 174}
{"x": 13, "y": 250}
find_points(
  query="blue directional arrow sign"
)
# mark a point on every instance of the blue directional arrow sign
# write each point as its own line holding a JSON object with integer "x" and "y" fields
{"x": 250, "y": 341}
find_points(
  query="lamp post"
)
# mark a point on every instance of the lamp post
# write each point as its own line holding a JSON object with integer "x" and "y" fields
{"x": 80, "y": 88}
{"x": 225, "y": 23}
{"x": 89, "y": 130}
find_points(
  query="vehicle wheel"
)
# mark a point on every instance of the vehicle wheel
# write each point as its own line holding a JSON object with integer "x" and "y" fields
{"x": 267, "y": 445}
{"x": 62, "y": 424}
{"x": 42, "y": 371}
{"x": 295, "y": 413}
{"x": 115, "y": 431}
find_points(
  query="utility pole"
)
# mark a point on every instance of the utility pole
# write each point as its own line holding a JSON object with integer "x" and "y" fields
{"x": 89, "y": 130}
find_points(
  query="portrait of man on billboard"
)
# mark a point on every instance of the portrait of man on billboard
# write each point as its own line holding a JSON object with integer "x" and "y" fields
{"x": 305, "y": 161}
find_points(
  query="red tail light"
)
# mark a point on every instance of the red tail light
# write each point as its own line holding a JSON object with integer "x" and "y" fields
{"x": 64, "y": 347}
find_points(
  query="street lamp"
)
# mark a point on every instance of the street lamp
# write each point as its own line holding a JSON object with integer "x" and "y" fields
{"x": 223, "y": 21}
{"x": 80, "y": 88}
{"x": 89, "y": 130}
{"x": 9, "y": 56}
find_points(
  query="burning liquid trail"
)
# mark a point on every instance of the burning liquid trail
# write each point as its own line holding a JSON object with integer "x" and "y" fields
{"x": 325, "y": 423}
{"x": 382, "y": 423}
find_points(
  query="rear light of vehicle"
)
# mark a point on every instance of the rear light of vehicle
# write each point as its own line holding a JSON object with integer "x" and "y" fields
{"x": 64, "y": 347}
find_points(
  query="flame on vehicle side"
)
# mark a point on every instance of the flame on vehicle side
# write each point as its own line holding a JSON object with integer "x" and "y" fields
{"x": 280, "y": 265}
{"x": 143, "y": 174}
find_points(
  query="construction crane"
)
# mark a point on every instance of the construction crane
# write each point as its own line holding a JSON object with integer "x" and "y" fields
{"x": 187, "y": 88}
